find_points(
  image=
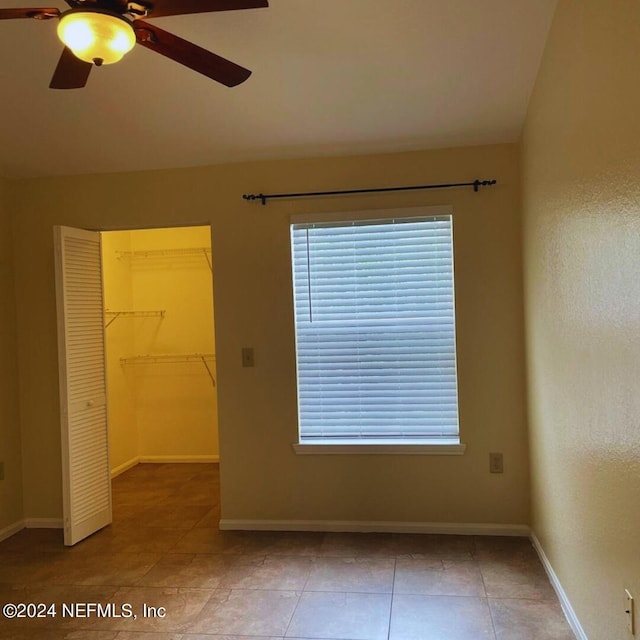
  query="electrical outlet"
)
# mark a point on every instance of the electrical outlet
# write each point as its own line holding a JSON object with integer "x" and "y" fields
{"x": 495, "y": 463}
{"x": 628, "y": 609}
{"x": 1, "y": 470}
{"x": 247, "y": 357}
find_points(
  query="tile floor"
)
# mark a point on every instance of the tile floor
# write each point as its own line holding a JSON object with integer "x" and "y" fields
{"x": 164, "y": 550}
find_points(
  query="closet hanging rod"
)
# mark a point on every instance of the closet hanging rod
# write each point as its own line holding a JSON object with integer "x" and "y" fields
{"x": 163, "y": 253}
{"x": 168, "y": 253}
{"x": 114, "y": 315}
{"x": 173, "y": 358}
{"x": 167, "y": 358}
{"x": 263, "y": 197}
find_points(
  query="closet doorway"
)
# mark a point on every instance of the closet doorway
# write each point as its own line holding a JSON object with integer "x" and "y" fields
{"x": 136, "y": 359}
{"x": 160, "y": 346}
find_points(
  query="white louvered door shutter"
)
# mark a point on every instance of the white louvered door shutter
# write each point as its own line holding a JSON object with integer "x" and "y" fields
{"x": 83, "y": 406}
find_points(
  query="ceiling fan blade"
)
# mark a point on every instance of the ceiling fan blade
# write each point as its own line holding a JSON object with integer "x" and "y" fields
{"x": 71, "y": 72}
{"x": 37, "y": 13}
{"x": 116, "y": 6}
{"x": 179, "y": 7}
{"x": 190, "y": 55}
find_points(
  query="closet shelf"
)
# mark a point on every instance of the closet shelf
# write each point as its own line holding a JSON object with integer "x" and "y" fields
{"x": 173, "y": 358}
{"x": 132, "y": 314}
{"x": 168, "y": 253}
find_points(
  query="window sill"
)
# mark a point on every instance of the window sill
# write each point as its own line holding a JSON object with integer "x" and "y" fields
{"x": 380, "y": 448}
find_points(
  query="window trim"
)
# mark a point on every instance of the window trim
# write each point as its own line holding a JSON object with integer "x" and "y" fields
{"x": 372, "y": 448}
{"x": 445, "y": 446}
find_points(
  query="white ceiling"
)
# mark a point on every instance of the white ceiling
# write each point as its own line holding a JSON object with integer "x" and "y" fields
{"x": 330, "y": 77}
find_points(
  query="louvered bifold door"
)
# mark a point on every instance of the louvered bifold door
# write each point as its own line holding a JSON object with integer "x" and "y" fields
{"x": 83, "y": 406}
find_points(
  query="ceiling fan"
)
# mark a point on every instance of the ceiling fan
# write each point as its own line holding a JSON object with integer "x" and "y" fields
{"x": 102, "y": 31}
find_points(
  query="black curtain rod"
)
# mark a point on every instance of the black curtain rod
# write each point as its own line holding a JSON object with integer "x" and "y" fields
{"x": 263, "y": 197}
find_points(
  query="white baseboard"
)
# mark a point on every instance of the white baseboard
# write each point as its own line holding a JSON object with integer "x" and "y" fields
{"x": 125, "y": 466}
{"x": 10, "y": 530}
{"x": 569, "y": 612}
{"x": 43, "y": 523}
{"x": 472, "y": 529}
{"x": 178, "y": 459}
{"x": 129, "y": 464}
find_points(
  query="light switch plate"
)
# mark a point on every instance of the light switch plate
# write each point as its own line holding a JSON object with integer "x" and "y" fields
{"x": 628, "y": 609}
{"x": 247, "y": 357}
{"x": 496, "y": 463}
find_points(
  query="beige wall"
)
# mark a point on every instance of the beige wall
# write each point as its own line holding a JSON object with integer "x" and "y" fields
{"x": 261, "y": 476}
{"x": 10, "y": 454}
{"x": 160, "y": 412}
{"x": 581, "y": 167}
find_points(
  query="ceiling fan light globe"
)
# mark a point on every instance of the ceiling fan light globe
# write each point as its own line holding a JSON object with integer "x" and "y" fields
{"x": 96, "y": 35}
{"x": 78, "y": 36}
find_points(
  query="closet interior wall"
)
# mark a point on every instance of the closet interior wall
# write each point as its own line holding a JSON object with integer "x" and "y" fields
{"x": 160, "y": 281}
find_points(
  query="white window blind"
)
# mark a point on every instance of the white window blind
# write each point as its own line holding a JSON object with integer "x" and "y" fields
{"x": 375, "y": 331}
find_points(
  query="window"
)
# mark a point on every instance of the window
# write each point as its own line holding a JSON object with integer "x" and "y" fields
{"x": 375, "y": 333}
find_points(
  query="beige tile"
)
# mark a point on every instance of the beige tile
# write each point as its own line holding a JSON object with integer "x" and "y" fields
{"x": 142, "y": 497}
{"x": 203, "y": 540}
{"x": 135, "y": 539}
{"x": 83, "y": 634}
{"x": 288, "y": 573}
{"x": 218, "y": 637}
{"x": 246, "y": 612}
{"x": 195, "y": 493}
{"x": 55, "y": 634}
{"x": 529, "y": 620}
{"x": 99, "y": 542}
{"x": 33, "y": 540}
{"x": 487, "y": 545}
{"x": 56, "y": 593}
{"x": 203, "y": 571}
{"x": 439, "y": 546}
{"x": 155, "y": 609}
{"x": 427, "y": 575}
{"x": 229, "y": 571}
{"x": 210, "y": 520}
{"x": 361, "y": 575}
{"x": 124, "y": 536}
{"x": 28, "y": 568}
{"x": 180, "y": 516}
{"x": 440, "y": 618}
{"x": 105, "y": 569}
{"x": 358, "y": 544}
{"x": 150, "y": 635}
{"x": 284, "y": 543}
{"x": 53, "y": 597}
{"x": 348, "y": 616}
{"x": 249, "y": 542}
{"x": 516, "y": 576}
{"x": 241, "y": 585}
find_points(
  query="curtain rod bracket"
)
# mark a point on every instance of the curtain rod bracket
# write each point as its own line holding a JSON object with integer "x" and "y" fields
{"x": 263, "y": 197}
{"x": 253, "y": 196}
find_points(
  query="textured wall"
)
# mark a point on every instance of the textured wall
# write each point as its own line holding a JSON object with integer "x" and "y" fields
{"x": 581, "y": 177}
{"x": 10, "y": 453}
{"x": 261, "y": 476}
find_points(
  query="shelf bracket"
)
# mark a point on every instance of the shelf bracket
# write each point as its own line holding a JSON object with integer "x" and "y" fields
{"x": 206, "y": 366}
{"x": 206, "y": 257}
{"x": 115, "y": 317}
